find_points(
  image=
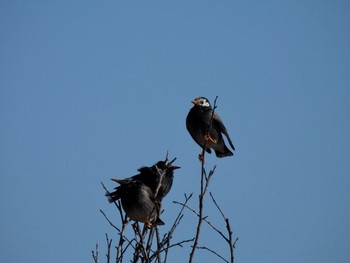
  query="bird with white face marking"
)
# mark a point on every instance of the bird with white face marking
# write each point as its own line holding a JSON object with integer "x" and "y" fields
{"x": 204, "y": 133}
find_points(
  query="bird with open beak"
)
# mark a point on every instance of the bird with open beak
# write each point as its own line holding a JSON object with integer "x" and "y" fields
{"x": 146, "y": 189}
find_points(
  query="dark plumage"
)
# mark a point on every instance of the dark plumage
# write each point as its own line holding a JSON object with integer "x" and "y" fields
{"x": 151, "y": 176}
{"x": 141, "y": 195}
{"x": 197, "y": 123}
{"x": 138, "y": 201}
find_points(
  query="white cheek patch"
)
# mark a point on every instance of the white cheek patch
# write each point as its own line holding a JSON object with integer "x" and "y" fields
{"x": 205, "y": 103}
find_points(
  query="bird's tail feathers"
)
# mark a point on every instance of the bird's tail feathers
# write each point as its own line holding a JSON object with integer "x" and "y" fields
{"x": 159, "y": 222}
{"x": 230, "y": 142}
{"x": 227, "y": 152}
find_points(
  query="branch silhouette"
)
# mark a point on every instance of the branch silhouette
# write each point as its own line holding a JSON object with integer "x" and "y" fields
{"x": 203, "y": 186}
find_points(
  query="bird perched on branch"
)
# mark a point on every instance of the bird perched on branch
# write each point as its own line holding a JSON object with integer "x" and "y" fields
{"x": 138, "y": 201}
{"x": 206, "y": 128}
{"x": 147, "y": 188}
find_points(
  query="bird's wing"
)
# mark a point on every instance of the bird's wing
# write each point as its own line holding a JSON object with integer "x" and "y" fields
{"x": 218, "y": 122}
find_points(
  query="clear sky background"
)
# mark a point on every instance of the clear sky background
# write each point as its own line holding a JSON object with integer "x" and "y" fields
{"x": 92, "y": 90}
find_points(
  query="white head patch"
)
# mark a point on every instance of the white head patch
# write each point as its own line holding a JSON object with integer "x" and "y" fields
{"x": 203, "y": 102}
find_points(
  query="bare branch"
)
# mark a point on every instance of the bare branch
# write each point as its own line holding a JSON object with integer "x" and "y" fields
{"x": 167, "y": 156}
{"x": 178, "y": 244}
{"x": 161, "y": 174}
{"x": 109, "y": 243}
{"x": 109, "y": 221}
{"x": 215, "y": 253}
{"x": 164, "y": 245}
{"x": 158, "y": 245}
{"x": 204, "y": 188}
{"x": 217, "y": 206}
{"x": 228, "y": 227}
{"x": 121, "y": 240}
{"x": 205, "y": 220}
{"x": 95, "y": 254}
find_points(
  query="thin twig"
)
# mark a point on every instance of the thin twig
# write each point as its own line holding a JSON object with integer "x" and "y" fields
{"x": 95, "y": 254}
{"x": 178, "y": 244}
{"x": 122, "y": 238}
{"x": 109, "y": 243}
{"x": 158, "y": 245}
{"x": 217, "y": 206}
{"x": 149, "y": 241}
{"x": 109, "y": 221}
{"x": 228, "y": 227}
{"x": 164, "y": 245}
{"x": 119, "y": 257}
{"x": 204, "y": 219}
{"x": 215, "y": 253}
{"x": 140, "y": 243}
{"x": 161, "y": 175}
{"x": 203, "y": 190}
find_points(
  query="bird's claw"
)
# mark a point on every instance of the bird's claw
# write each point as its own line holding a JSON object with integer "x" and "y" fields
{"x": 207, "y": 137}
{"x": 148, "y": 224}
{"x": 201, "y": 157}
{"x": 135, "y": 226}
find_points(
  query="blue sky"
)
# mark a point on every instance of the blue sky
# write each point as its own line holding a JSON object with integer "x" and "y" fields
{"x": 91, "y": 90}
